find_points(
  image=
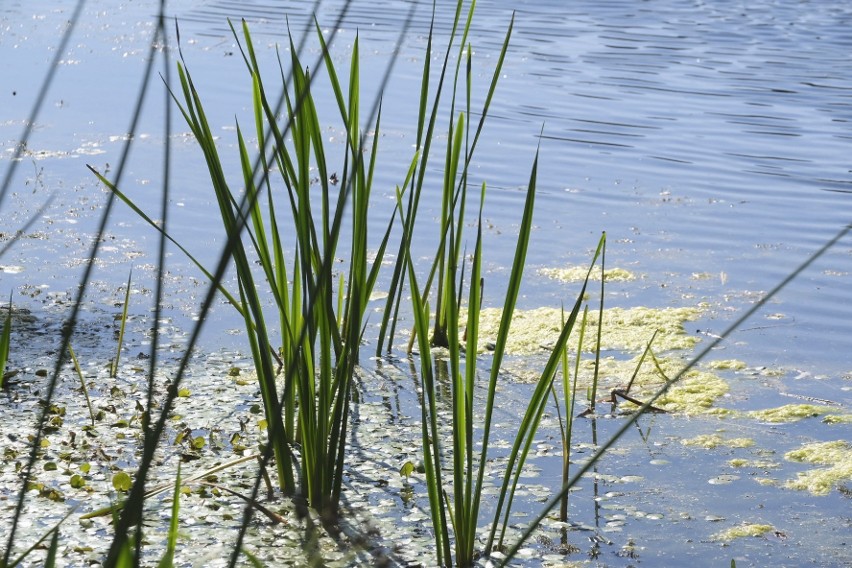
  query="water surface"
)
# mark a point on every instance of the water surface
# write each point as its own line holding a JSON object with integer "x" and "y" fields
{"x": 709, "y": 139}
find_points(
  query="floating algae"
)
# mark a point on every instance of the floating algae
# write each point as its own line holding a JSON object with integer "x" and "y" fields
{"x": 757, "y": 464}
{"x": 695, "y": 394}
{"x": 711, "y": 441}
{"x": 788, "y": 413}
{"x": 537, "y": 330}
{"x": 578, "y": 274}
{"x": 838, "y": 419}
{"x": 836, "y": 455}
{"x": 727, "y": 364}
{"x": 742, "y": 531}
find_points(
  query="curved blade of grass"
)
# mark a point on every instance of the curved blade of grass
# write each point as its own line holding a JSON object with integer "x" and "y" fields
{"x": 82, "y": 286}
{"x": 136, "y": 209}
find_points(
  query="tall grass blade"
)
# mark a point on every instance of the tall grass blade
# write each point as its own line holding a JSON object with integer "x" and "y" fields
{"x": 5, "y": 341}
{"x": 50, "y": 560}
{"x": 113, "y": 371}
{"x": 83, "y": 386}
{"x": 594, "y": 394}
{"x": 168, "y": 559}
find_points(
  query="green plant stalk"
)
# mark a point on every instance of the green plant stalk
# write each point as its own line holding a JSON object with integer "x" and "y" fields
{"x": 568, "y": 397}
{"x": 323, "y": 394}
{"x": 600, "y": 326}
{"x": 50, "y": 560}
{"x": 566, "y": 461}
{"x": 113, "y": 370}
{"x": 423, "y": 147}
{"x": 463, "y": 401}
{"x": 5, "y": 341}
{"x": 82, "y": 382}
{"x": 168, "y": 559}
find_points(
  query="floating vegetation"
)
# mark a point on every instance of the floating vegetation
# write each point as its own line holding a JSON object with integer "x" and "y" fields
{"x": 695, "y": 394}
{"x": 578, "y": 274}
{"x": 838, "y": 419}
{"x": 629, "y": 329}
{"x": 743, "y": 531}
{"x": 727, "y": 365}
{"x": 789, "y": 413}
{"x": 756, "y": 464}
{"x": 711, "y": 441}
{"x": 836, "y": 456}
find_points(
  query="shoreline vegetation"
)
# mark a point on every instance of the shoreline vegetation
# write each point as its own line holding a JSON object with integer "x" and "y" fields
{"x": 309, "y": 258}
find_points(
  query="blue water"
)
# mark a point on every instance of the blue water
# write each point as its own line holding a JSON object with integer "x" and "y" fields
{"x": 706, "y": 138}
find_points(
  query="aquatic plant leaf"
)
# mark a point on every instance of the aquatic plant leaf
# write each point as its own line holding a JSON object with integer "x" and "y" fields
{"x": 122, "y": 481}
{"x": 407, "y": 469}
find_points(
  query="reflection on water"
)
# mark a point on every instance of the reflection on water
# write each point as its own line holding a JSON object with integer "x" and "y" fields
{"x": 709, "y": 139}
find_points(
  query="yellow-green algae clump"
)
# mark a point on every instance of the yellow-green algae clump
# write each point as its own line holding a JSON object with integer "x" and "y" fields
{"x": 727, "y": 365}
{"x": 711, "y": 441}
{"x": 758, "y": 464}
{"x": 623, "y": 329}
{"x": 838, "y": 419}
{"x": 837, "y": 456}
{"x": 695, "y": 393}
{"x": 578, "y": 274}
{"x": 788, "y": 413}
{"x": 742, "y": 531}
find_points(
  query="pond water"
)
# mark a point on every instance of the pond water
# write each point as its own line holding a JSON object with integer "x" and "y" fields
{"x": 710, "y": 140}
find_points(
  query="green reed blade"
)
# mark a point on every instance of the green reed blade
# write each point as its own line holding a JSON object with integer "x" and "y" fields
{"x": 50, "y": 560}
{"x": 5, "y": 342}
{"x": 430, "y": 439}
{"x": 512, "y": 291}
{"x": 118, "y": 193}
{"x": 82, "y": 382}
{"x": 168, "y": 559}
{"x": 596, "y": 374}
{"x": 113, "y": 370}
